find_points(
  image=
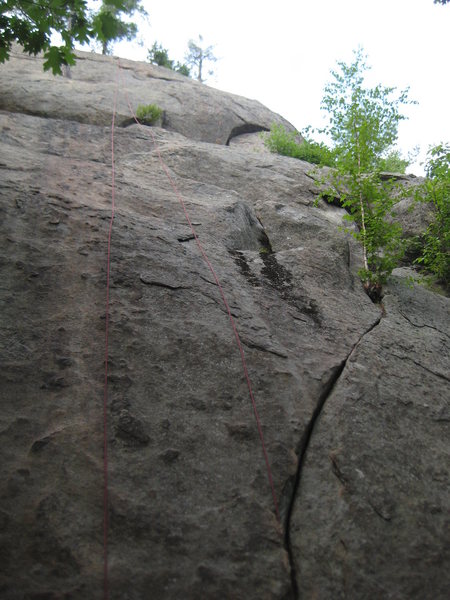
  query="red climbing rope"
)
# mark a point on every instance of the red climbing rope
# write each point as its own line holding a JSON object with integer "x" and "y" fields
{"x": 105, "y": 386}
{"x": 224, "y": 299}
{"x": 227, "y": 307}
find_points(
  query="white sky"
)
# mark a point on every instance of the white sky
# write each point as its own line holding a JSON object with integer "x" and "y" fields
{"x": 281, "y": 52}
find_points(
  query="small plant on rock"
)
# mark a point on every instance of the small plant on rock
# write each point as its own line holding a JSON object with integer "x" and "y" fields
{"x": 149, "y": 114}
{"x": 287, "y": 143}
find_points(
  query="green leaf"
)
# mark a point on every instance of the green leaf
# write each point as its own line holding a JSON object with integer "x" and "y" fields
{"x": 54, "y": 59}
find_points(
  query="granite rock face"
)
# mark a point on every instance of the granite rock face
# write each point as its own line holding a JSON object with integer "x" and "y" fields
{"x": 370, "y": 519}
{"x": 351, "y": 396}
{"x": 87, "y": 96}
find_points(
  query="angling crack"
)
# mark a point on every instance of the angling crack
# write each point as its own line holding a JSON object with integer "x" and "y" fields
{"x": 159, "y": 282}
{"x": 423, "y": 325}
{"x": 421, "y": 366}
{"x": 292, "y": 486}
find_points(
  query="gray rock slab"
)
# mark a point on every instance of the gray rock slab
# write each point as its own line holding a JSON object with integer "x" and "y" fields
{"x": 190, "y": 509}
{"x": 371, "y": 516}
{"x": 193, "y": 109}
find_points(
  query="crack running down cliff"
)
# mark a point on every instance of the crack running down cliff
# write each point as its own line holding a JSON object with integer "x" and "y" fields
{"x": 302, "y": 449}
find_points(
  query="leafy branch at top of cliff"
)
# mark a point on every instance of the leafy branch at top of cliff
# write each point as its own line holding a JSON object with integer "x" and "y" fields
{"x": 363, "y": 126}
{"x": 109, "y": 25}
{"x": 31, "y": 23}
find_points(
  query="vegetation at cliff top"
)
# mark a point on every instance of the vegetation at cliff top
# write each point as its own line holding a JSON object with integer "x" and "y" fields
{"x": 158, "y": 55}
{"x": 31, "y": 24}
{"x": 109, "y": 23}
{"x": 198, "y": 57}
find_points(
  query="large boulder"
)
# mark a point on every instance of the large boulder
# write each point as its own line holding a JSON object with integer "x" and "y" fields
{"x": 349, "y": 395}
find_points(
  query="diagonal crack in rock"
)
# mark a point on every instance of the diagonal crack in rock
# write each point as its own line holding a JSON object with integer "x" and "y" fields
{"x": 303, "y": 445}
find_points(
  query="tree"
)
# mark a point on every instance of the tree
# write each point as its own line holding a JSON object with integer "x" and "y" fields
{"x": 198, "y": 56}
{"x": 158, "y": 55}
{"x": 363, "y": 126}
{"x": 31, "y": 24}
{"x": 441, "y": 1}
{"x": 393, "y": 163}
{"x": 109, "y": 25}
{"x": 435, "y": 251}
{"x": 183, "y": 69}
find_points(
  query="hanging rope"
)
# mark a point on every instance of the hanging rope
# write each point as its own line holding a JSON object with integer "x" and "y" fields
{"x": 105, "y": 386}
{"x": 227, "y": 308}
{"x": 224, "y": 299}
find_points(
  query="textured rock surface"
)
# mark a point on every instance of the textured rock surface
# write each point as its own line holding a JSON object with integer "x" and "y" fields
{"x": 375, "y": 474}
{"x": 190, "y": 108}
{"x": 351, "y": 398}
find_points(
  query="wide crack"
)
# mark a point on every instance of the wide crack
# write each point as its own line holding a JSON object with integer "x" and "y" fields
{"x": 302, "y": 449}
{"x": 244, "y": 128}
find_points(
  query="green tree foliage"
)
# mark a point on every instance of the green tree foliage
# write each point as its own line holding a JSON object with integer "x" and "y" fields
{"x": 393, "y": 163}
{"x": 363, "y": 126}
{"x": 287, "y": 143}
{"x": 441, "y": 1}
{"x": 198, "y": 56}
{"x": 183, "y": 69}
{"x": 435, "y": 251}
{"x": 109, "y": 24}
{"x": 158, "y": 55}
{"x": 31, "y": 24}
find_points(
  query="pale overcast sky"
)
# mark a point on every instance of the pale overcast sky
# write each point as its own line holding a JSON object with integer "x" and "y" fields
{"x": 281, "y": 52}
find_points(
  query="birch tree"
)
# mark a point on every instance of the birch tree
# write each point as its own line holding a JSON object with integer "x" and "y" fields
{"x": 363, "y": 126}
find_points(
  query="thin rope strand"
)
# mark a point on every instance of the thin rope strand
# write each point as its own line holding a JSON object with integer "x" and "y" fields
{"x": 224, "y": 299}
{"x": 105, "y": 387}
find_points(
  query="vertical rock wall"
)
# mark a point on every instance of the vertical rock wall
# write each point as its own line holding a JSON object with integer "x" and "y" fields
{"x": 351, "y": 396}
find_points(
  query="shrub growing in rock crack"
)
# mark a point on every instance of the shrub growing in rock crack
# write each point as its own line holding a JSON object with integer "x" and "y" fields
{"x": 149, "y": 114}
